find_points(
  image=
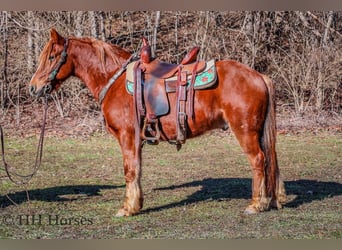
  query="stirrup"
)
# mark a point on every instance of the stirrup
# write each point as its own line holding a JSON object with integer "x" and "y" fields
{"x": 151, "y": 126}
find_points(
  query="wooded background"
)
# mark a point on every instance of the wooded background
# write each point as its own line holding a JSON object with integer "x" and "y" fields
{"x": 301, "y": 51}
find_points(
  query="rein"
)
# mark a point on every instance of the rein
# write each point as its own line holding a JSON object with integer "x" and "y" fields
{"x": 26, "y": 178}
{"x": 112, "y": 80}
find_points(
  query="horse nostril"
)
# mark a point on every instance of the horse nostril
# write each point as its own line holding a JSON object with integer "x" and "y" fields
{"x": 47, "y": 89}
{"x": 32, "y": 90}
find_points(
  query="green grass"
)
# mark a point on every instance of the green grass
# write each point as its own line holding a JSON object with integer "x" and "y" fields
{"x": 199, "y": 192}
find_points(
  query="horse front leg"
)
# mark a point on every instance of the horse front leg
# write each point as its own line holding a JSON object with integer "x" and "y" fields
{"x": 133, "y": 202}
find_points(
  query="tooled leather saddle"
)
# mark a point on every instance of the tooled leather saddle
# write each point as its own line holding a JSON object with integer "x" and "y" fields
{"x": 150, "y": 80}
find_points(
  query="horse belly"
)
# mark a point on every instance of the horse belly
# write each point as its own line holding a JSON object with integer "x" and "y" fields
{"x": 207, "y": 116}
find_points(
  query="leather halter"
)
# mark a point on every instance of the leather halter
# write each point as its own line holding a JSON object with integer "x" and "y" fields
{"x": 112, "y": 80}
{"x": 62, "y": 60}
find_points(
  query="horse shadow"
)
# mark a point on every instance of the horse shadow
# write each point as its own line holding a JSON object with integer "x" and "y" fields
{"x": 217, "y": 189}
{"x": 54, "y": 194}
{"x": 221, "y": 189}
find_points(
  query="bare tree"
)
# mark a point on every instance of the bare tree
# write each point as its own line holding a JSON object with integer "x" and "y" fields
{"x": 93, "y": 24}
{"x": 78, "y": 23}
{"x": 30, "y": 42}
{"x": 300, "y": 50}
{"x": 155, "y": 30}
{"x": 4, "y": 83}
{"x": 327, "y": 28}
{"x": 101, "y": 24}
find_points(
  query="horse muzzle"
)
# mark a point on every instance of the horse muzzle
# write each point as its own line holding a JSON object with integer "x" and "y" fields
{"x": 43, "y": 91}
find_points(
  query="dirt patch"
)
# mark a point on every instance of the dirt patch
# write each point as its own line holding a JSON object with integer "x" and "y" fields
{"x": 73, "y": 122}
{"x": 289, "y": 121}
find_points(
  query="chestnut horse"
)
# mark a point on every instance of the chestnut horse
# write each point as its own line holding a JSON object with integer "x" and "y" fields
{"x": 242, "y": 99}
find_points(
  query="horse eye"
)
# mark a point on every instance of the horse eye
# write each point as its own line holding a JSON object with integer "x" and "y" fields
{"x": 51, "y": 57}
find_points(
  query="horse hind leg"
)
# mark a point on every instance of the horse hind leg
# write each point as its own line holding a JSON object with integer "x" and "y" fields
{"x": 280, "y": 197}
{"x": 250, "y": 144}
{"x": 268, "y": 190}
{"x": 260, "y": 199}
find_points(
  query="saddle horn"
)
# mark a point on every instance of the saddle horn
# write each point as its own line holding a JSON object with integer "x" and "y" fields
{"x": 145, "y": 52}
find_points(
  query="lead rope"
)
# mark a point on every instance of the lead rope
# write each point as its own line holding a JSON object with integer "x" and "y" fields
{"x": 25, "y": 178}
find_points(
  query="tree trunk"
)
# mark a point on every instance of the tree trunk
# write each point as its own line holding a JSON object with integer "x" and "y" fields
{"x": 320, "y": 80}
{"x": 4, "y": 83}
{"x": 102, "y": 29}
{"x": 78, "y": 23}
{"x": 176, "y": 37}
{"x": 30, "y": 42}
{"x": 327, "y": 28}
{"x": 93, "y": 25}
{"x": 155, "y": 29}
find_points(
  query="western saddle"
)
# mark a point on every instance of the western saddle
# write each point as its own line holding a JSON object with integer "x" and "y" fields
{"x": 153, "y": 79}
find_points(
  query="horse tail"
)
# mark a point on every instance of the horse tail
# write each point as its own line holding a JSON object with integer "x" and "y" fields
{"x": 274, "y": 185}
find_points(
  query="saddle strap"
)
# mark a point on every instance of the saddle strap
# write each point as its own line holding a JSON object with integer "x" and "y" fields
{"x": 137, "y": 104}
{"x": 136, "y": 114}
{"x": 181, "y": 103}
{"x": 192, "y": 92}
{"x": 112, "y": 80}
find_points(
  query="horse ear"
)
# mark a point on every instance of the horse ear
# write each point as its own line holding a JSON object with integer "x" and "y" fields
{"x": 57, "y": 38}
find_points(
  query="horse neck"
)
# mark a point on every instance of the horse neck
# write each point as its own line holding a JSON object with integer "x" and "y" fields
{"x": 92, "y": 67}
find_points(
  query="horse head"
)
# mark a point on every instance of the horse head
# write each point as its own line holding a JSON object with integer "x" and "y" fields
{"x": 54, "y": 66}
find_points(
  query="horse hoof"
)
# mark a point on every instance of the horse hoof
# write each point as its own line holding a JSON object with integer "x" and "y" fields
{"x": 121, "y": 213}
{"x": 250, "y": 210}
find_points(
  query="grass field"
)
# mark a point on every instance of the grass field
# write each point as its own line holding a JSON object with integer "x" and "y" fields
{"x": 198, "y": 192}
